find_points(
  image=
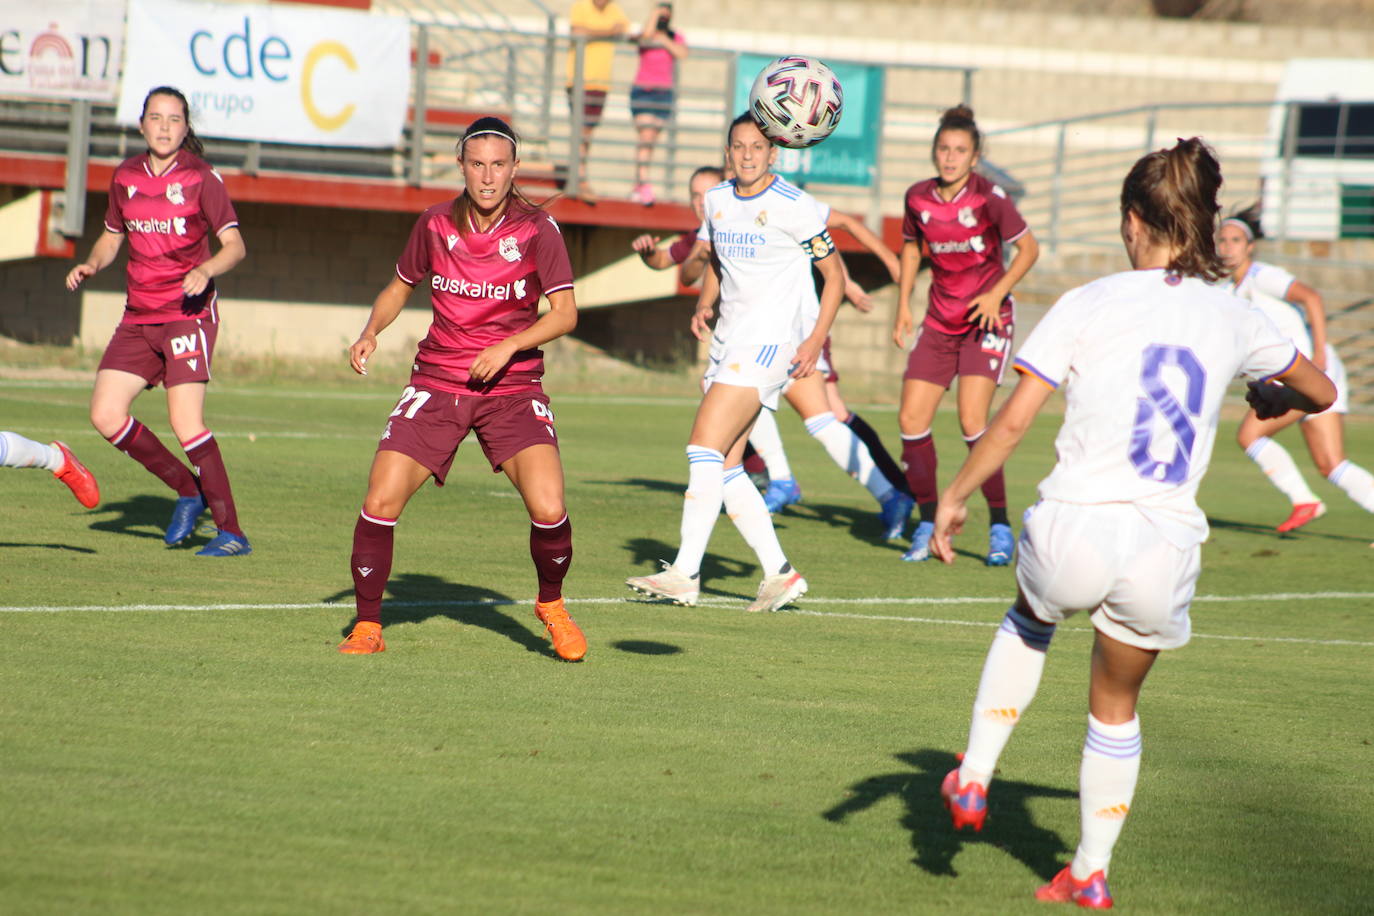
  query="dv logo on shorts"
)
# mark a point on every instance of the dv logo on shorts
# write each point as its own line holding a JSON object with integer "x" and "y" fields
{"x": 185, "y": 346}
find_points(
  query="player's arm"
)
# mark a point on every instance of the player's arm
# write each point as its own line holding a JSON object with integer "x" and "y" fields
{"x": 994, "y": 447}
{"x": 387, "y": 306}
{"x": 1310, "y": 301}
{"x": 832, "y": 292}
{"x": 560, "y": 319}
{"x": 102, "y": 255}
{"x": 867, "y": 238}
{"x": 646, "y": 246}
{"x": 706, "y": 299}
{"x": 694, "y": 265}
{"x": 985, "y": 309}
{"x": 232, "y": 250}
{"x": 909, "y": 264}
{"x": 1305, "y": 388}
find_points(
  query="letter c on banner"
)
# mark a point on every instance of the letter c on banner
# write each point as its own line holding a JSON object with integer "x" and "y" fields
{"x": 312, "y": 60}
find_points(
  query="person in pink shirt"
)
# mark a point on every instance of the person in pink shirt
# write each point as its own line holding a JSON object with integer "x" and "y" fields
{"x": 653, "y": 92}
{"x": 487, "y": 256}
{"x": 961, "y": 222}
{"x": 169, "y": 202}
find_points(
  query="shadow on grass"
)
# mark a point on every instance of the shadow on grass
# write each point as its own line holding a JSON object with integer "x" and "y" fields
{"x": 134, "y": 514}
{"x": 646, "y": 647}
{"x": 416, "y": 597}
{"x": 1009, "y": 825}
{"x": 72, "y": 548}
{"x": 658, "y": 486}
{"x": 1269, "y": 532}
{"x": 647, "y": 552}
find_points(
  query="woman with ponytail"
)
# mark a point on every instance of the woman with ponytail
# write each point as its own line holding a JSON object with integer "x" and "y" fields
{"x": 1297, "y": 310}
{"x": 961, "y": 222}
{"x": 1144, "y": 358}
{"x": 488, "y": 256}
{"x": 169, "y": 202}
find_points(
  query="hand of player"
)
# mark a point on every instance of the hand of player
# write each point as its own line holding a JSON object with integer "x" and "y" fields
{"x": 857, "y": 297}
{"x": 492, "y": 360}
{"x": 77, "y": 274}
{"x": 985, "y": 311}
{"x": 645, "y": 244}
{"x": 1267, "y": 398}
{"x": 804, "y": 363}
{"x": 902, "y": 327}
{"x": 949, "y": 521}
{"x": 358, "y": 353}
{"x": 195, "y": 281}
{"x": 701, "y": 318}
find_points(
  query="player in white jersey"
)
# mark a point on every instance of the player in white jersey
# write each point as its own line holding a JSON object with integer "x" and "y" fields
{"x": 1297, "y": 310}
{"x": 763, "y": 235}
{"x": 1144, "y": 358}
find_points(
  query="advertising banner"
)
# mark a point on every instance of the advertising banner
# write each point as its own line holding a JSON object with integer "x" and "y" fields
{"x": 281, "y": 74}
{"x": 67, "y": 49}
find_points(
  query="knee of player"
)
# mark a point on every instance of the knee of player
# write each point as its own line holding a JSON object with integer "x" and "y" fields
{"x": 547, "y": 513}
{"x": 108, "y": 420}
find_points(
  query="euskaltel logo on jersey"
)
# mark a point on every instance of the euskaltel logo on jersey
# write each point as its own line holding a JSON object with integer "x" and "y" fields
{"x": 485, "y": 290}
{"x": 174, "y": 226}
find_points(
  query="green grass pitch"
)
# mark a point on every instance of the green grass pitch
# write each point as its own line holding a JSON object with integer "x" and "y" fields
{"x": 178, "y": 734}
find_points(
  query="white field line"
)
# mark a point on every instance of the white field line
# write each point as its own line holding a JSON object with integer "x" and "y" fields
{"x": 726, "y": 602}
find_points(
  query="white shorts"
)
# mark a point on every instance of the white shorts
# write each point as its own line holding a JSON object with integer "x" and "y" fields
{"x": 763, "y": 367}
{"x": 1109, "y": 560}
{"x": 1335, "y": 370}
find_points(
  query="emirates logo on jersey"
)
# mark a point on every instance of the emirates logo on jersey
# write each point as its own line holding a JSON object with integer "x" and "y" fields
{"x": 509, "y": 249}
{"x": 174, "y": 195}
{"x": 966, "y": 217}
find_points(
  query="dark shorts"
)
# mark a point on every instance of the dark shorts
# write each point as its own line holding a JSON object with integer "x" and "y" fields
{"x": 831, "y": 373}
{"x": 650, "y": 101}
{"x": 938, "y": 358}
{"x": 173, "y": 353}
{"x": 593, "y": 104}
{"x": 429, "y": 425}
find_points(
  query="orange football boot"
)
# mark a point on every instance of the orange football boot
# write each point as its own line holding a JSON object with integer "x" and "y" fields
{"x": 365, "y": 639}
{"x": 1091, "y": 894}
{"x": 568, "y": 640}
{"x": 74, "y": 474}
{"x": 1301, "y": 515}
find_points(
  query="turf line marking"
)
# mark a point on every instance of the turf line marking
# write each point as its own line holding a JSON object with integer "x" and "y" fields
{"x": 727, "y": 602}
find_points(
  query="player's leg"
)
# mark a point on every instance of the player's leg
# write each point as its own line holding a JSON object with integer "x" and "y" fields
{"x": 1255, "y": 437}
{"x": 975, "y": 403}
{"x": 915, "y": 416}
{"x": 746, "y": 509}
{"x": 783, "y": 489}
{"x": 1325, "y": 436}
{"x": 16, "y": 451}
{"x": 898, "y": 505}
{"x": 186, "y": 412}
{"x": 807, "y": 396}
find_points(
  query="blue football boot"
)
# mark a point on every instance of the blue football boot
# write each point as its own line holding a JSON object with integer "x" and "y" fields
{"x": 1001, "y": 545}
{"x": 184, "y": 515}
{"x": 781, "y": 492}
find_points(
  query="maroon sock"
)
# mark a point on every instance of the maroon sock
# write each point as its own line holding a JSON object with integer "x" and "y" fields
{"x": 139, "y": 443}
{"x": 918, "y": 454}
{"x": 205, "y": 457}
{"x": 551, "y": 550}
{"x": 373, "y": 543}
{"x": 753, "y": 462}
{"x": 995, "y": 487}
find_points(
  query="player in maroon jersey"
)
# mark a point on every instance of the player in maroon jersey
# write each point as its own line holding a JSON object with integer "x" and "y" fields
{"x": 683, "y": 253}
{"x": 489, "y": 254}
{"x": 168, "y": 202}
{"x": 962, "y": 221}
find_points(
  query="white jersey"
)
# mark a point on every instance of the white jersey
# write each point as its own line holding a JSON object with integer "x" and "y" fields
{"x": 1145, "y": 359}
{"x": 765, "y": 244}
{"x": 1265, "y": 286}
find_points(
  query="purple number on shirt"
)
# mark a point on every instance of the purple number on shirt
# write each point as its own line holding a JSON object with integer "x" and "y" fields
{"x": 1160, "y": 401}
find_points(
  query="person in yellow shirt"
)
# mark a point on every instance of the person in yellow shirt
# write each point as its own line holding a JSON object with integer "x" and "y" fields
{"x": 602, "y": 23}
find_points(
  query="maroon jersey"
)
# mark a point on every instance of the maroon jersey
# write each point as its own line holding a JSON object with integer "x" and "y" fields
{"x": 168, "y": 219}
{"x": 484, "y": 286}
{"x": 965, "y": 238}
{"x": 679, "y": 250}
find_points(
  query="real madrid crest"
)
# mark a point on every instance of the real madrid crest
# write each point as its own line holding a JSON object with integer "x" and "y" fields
{"x": 762, "y": 218}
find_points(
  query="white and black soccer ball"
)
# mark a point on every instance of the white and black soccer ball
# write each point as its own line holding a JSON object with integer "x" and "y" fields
{"x": 796, "y": 101}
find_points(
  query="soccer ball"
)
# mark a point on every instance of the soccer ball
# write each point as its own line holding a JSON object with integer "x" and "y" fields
{"x": 796, "y": 101}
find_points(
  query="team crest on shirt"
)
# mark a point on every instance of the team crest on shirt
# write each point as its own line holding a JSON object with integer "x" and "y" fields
{"x": 509, "y": 249}
{"x": 174, "y": 195}
{"x": 452, "y": 240}
{"x": 966, "y": 217}
{"x": 762, "y": 219}
{"x": 925, "y": 216}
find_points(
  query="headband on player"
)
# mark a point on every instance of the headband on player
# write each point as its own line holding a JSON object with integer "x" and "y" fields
{"x": 1244, "y": 227}
{"x": 488, "y": 125}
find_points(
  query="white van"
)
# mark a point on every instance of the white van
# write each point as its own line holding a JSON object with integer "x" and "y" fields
{"x": 1318, "y": 176}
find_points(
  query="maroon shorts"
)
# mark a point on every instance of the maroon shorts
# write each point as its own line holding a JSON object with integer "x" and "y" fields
{"x": 593, "y": 104}
{"x": 937, "y": 358}
{"x": 173, "y": 353}
{"x": 827, "y": 362}
{"x": 429, "y": 425}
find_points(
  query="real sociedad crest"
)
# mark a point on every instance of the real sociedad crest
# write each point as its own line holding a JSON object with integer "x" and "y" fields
{"x": 174, "y": 194}
{"x": 509, "y": 249}
{"x": 966, "y": 217}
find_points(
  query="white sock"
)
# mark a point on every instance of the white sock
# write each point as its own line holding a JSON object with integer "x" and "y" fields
{"x": 1275, "y": 461}
{"x": 18, "y": 452}
{"x": 744, "y": 504}
{"x": 849, "y": 452}
{"x": 1357, "y": 483}
{"x": 700, "y": 506}
{"x": 1011, "y": 676}
{"x": 1106, "y": 785}
{"x": 767, "y": 441}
